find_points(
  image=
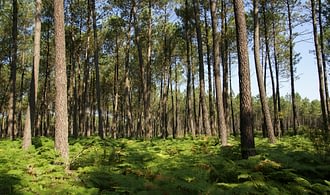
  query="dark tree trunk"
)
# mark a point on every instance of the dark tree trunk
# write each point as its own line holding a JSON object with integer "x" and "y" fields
{"x": 246, "y": 118}
{"x": 97, "y": 73}
{"x": 12, "y": 95}
{"x": 293, "y": 93}
{"x": 189, "y": 109}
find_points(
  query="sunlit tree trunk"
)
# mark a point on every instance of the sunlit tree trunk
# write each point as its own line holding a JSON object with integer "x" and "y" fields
{"x": 246, "y": 118}
{"x": 61, "y": 110}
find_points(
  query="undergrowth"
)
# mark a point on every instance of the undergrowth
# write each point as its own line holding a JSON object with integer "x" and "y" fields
{"x": 172, "y": 166}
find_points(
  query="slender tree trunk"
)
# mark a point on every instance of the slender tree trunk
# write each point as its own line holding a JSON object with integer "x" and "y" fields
{"x": 225, "y": 65}
{"x": 222, "y": 127}
{"x": 268, "y": 59}
{"x": 205, "y": 114}
{"x": 262, "y": 91}
{"x": 279, "y": 122}
{"x": 30, "y": 113}
{"x": 209, "y": 72}
{"x": 293, "y": 93}
{"x": 324, "y": 64}
{"x": 147, "y": 76}
{"x": 189, "y": 109}
{"x": 129, "y": 124}
{"x": 61, "y": 110}
{"x": 115, "y": 93}
{"x": 97, "y": 73}
{"x": 85, "y": 81}
{"x": 320, "y": 71}
{"x": 12, "y": 96}
{"x": 246, "y": 114}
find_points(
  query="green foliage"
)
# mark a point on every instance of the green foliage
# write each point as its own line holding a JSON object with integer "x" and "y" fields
{"x": 173, "y": 166}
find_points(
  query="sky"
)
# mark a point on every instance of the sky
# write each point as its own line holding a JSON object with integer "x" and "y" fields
{"x": 307, "y": 84}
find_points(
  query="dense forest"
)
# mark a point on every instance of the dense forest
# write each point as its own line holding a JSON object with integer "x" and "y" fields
{"x": 109, "y": 74}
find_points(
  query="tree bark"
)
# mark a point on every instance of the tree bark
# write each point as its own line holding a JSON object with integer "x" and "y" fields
{"x": 246, "y": 114}
{"x": 61, "y": 111}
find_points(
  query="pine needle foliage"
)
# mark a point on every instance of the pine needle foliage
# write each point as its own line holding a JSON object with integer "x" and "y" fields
{"x": 158, "y": 166}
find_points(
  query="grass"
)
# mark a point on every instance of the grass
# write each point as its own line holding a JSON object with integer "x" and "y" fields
{"x": 173, "y": 166}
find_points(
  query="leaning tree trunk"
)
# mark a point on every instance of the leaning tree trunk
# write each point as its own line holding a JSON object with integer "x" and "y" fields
{"x": 61, "y": 110}
{"x": 262, "y": 91}
{"x": 246, "y": 114}
{"x": 30, "y": 113}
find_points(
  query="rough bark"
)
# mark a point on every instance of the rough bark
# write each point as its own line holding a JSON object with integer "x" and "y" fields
{"x": 61, "y": 110}
{"x": 246, "y": 114}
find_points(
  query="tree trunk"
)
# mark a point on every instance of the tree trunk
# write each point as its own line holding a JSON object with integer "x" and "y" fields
{"x": 320, "y": 71}
{"x": 12, "y": 95}
{"x": 205, "y": 114}
{"x": 147, "y": 80}
{"x": 293, "y": 93}
{"x": 222, "y": 127}
{"x": 97, "y": 73}
{"x": 262, "y": 91}
{"x": 189, "y": 109}
{"x": 324, "y": 64}
{"x": 61, "y": 111}
{"x": 208, "y": 58}
{"x": 30, "y": 113}
{"x": 246, "y": 114}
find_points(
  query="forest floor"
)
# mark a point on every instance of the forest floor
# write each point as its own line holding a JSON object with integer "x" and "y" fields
{"x": 159, "y": 166}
